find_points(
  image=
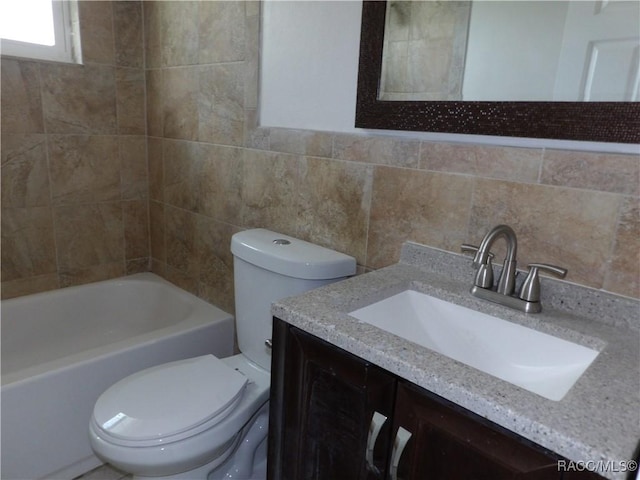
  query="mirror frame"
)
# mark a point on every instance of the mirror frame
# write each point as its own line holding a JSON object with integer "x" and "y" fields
{"x": 583, "y": 121}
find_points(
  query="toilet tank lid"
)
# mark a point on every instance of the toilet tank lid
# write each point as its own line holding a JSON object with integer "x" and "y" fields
{"x": 290, "y": 256}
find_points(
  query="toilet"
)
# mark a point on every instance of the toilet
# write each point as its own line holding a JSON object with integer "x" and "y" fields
{"x": 205, "y": 417}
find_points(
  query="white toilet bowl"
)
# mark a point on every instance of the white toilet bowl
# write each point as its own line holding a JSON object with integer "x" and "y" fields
{"x": 206, "y": 418}
{"x": 183, "y": 420}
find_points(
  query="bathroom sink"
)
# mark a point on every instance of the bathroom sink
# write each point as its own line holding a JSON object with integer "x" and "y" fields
{"x": 535, "y": 361}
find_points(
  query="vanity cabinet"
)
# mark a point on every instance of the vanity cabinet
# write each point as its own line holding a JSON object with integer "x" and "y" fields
{"x": 322, "y": 400}
{"x": 335, "y": 416}
{"x": 448, "y": 442}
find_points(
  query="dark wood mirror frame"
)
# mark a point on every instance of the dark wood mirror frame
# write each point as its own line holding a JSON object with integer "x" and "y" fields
{"x": 584, "y": 121}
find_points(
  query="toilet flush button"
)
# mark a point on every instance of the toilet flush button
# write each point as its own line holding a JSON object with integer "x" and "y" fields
{"x": 281, "y": 241}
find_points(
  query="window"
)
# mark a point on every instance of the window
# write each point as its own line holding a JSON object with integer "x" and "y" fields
{"x": 40, "y": 29}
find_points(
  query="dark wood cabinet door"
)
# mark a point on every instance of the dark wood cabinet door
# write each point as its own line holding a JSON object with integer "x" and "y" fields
{"x": 326, "y": 411}
{"x": 449, "y": 443}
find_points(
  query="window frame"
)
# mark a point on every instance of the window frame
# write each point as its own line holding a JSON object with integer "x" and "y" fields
{"x": 67, "y": 38}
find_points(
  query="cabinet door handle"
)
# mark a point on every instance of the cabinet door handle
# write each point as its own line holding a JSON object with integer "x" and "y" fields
{"x": 402, "y": 437}
{"x": 377, "y": 421}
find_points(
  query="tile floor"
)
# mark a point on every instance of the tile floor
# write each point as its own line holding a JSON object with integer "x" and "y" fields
{"x": 104, "y": 472}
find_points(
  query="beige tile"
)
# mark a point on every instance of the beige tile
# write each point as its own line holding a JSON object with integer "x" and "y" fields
{"x": 425, "y": 207}
{"x": 623, "y": 276}
{"x": 79, "y": 98}
{"x": 25, "y": 176}
{"x": 137, "y": 265}
{"x": 269, "y": 191}
{"x": 252, "y": 7}
{"x": 152, "y": 19}
{"x": 20, "y": 97}
{"x": 88, "y": 236}
{"x": 508, "y": 163}
{"x": 219, "y": 181}
{"x": 157, "y": 228}
{"x": 180, "y": 235}
{"x": 301, "y": 142}
{"x": 560, "y": 226}
{"x": 221, "y": 104}
{"x": 28, "y": 247}
{"x": 127, "y": 21}
{"x": 135, "y": 216}
{"x": 432, "y": 76}
{"x": 252, "y": 57}
{"x": 179, "y": 23}
{"x": 394, "y": 77}
{"x": 593, "y": 171}
{"x": 185, "y": 281}
{"x": 379, "y": 150}
{"x": 441, "y": 42}
{"x": 155, "y": 103}
{"x": 93, "y": 273}
{"x": 84, "y": 168}
{"x": 134, "y": 174}
{"x": 218, "y": 296}
{"x": 96, "y": 31}
{"x": 156, "y": 169}
{"x": 216, "y": 262}
{"x": 29, "y": 285}
{"x": 180, "y": 102}
{"x": 221, "y": 32}
{"x": 182, "y": 164}
{"x": 130, "y": 86}
{"x": 255, "y": 136}
{"x": 335, "y": 199}
{"x": 158, "y": 267}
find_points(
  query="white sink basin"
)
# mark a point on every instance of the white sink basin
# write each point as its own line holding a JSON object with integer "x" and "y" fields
{"x": 535, "y": 361}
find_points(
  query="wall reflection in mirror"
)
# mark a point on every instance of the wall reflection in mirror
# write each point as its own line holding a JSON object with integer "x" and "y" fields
{"x": 511, "y": 51}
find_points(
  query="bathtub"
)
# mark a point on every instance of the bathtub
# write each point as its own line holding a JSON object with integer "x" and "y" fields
{"x": 62, "y": 349}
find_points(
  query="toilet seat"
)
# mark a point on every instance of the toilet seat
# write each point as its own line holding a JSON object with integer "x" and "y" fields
{"x": 169, "y": 402}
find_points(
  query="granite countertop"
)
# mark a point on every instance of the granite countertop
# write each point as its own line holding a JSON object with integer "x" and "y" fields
{"x": 597, "y": 420}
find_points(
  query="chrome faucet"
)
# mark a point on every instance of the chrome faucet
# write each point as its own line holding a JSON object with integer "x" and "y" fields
{"x": 504, "y": 292}
{"x": 507, "y": 281}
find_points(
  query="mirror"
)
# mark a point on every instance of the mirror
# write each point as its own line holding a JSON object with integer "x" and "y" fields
{"x": 511, "y": 51}
{"x": 456, "y": 105}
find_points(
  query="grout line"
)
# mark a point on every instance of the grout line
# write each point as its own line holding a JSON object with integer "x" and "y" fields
{"x": 49, "y": 179}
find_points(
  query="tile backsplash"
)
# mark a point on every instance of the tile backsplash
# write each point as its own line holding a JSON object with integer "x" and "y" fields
{"x": 76, "y": 191}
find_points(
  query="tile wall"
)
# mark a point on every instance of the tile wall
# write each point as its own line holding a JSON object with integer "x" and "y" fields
{"x": 74, "y": 168}
{"x": 212, "y": 172}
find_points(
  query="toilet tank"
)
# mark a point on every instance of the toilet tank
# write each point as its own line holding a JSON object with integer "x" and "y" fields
{"x": 269, "y": 266}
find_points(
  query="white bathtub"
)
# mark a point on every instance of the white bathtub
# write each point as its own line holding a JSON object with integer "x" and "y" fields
{"x": 62, "y": 349}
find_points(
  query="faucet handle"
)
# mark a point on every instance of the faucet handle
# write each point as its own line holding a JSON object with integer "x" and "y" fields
{"x": 530, "y": 290}
{"x": 484, "y": 274}
{"x": 468, "y": 248}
